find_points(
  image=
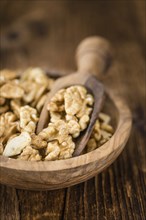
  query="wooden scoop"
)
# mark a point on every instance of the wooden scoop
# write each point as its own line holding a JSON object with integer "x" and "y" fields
{"x": 93, "y": 58}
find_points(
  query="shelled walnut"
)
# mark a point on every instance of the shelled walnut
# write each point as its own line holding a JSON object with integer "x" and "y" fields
{"x": 22, "y": 98}
{"x": 29, "y": 153}
{"x": 102, "y": 132}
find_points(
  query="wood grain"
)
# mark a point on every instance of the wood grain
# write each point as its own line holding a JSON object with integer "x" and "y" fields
{"x": 118, "y": 192}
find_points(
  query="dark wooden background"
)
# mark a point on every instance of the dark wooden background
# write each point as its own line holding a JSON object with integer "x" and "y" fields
{"x": 46, "y": 33}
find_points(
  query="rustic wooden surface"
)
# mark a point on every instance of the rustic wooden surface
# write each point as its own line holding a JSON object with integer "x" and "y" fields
{"x": 48, "y": 37}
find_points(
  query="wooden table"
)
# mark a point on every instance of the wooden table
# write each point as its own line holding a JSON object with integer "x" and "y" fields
{"x": 46, "y": 33}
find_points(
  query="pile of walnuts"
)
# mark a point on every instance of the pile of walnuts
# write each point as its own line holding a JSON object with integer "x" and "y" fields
{"x": 22, "y": 98}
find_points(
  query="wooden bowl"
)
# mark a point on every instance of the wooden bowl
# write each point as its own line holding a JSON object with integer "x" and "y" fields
{"x": 50, "y": 175}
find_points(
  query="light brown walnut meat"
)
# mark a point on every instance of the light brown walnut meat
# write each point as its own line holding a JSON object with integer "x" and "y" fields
{"x": 30, "y": 154}
{"x": 105, "y": 136}
{"x": 37, "y": 141}
{"x": 67, "y": 148}
{"x": 8, "y": 126}
{"x": 11, "y": 91}
{"x": 104, "y": 118}
{"x": 55, "y": 116}
{"x": 31, "y": 90}
{"x": 60, "y": 143}
{"x": 73, "y": 99}
{"x": 4, "y": 109}
{"x": 74, "y": 128}
{"x": 28, "y": 119}
{"x": 7, "y": 75}
{"x": 35, "y": 83}
{"x": 36, "y": 75}
{"x": 72, "y": 105}
{"x": 15, "y": 106}
{"x": 48, "y": 133}
{"x": 107, "y": 127}
{"x": 17, "y": 144}
{"x": 91, "y": 145}
{"x": 57, "y": 102}
{"x": 83, "y": 122}
{"x": 57, "y": 151}
{"x": 52, "y": 151}
{"x": 61, "y": 131}
{"x": 102, "y": 132}
{"x": 55, "y": 131}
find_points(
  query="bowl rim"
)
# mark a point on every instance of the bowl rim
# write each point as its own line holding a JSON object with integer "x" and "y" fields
{"x": 124, "y": 125}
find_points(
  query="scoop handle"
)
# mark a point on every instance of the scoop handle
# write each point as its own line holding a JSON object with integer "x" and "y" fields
{"x": 94, "y": 55}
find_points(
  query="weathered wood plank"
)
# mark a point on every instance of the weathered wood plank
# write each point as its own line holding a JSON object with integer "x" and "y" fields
{"x": 119, "y": 192}
{"x": 9, "y": 203}
{"x": 41, "y": 205}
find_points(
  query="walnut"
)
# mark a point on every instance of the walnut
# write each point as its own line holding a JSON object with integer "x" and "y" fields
{"x": 31, "y": 90}
{"x": 52, "y": 151}
{"x": 107, "y": 127}
{"x": 7, "y": 75}
{"x": 36, "y": 84}
{"x": 60, "y": 143}
{"x": 55, "y": 131}
{"x": 105, "y": 136}
{"x": 97, "y": 131}
{"x": 59, "y": 96}
{"x": 77, "y": 101}
{"x": 11, "y": 91}
{"x": 56, "y": 150}
{"x": 70, "y": 117}
{"x": 102, "y": 132}
{"x": 69, "y": 113}
{"x": 17, "y": 144}
{"x": 71, "y": 105}
{"x": 62, "y": 127}
{"x": 30, "y": 154}
{"x": 84, "y": 110}
{"x": 15, "y": 106}
{"x": 55, "y": 116}
{"x": 4, "y": 109}
{"x": 28, "y": 119}
{"x": 57, "y": 102}
{"x": 67, "y": 148}
{"x": 73, "y": 100}
{"x": 36, "y": 75}
{"x": 8, "y": 126}
{"x": 48, "y": 133}
{"x": 91, "y": 145}
{"x": 89, "y": 100}
{"x": 74, "y": 128}
{"x": 104, "y": 117}
{"x": 83, "y": 122}
{"x": 37, "y": 141}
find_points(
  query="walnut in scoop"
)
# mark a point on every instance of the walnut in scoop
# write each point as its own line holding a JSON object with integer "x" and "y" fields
{"x": 69, "y": 111}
